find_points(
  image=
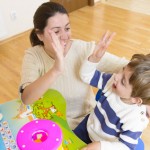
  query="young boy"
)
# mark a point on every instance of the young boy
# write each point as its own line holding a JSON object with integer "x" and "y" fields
{"x": 123, "y": 109}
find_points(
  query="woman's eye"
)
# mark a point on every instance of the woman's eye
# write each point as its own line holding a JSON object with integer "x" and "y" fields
{"x": 56, "y": 32}
{"x": 67, "y": 29}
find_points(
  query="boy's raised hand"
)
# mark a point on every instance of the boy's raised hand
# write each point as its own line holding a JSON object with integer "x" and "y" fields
{"x": 101, "y": 47}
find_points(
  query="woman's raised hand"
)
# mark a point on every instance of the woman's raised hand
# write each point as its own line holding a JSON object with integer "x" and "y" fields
{"x": 56, "y": 45}
{"x": 58, "y": 51}
{"x": 101, "y": 47}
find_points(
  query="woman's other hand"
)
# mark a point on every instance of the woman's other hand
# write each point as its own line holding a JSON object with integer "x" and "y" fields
{"x": 92, "y": 146}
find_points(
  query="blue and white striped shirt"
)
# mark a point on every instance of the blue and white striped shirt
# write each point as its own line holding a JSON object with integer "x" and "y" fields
{"x": 115, "y": 124}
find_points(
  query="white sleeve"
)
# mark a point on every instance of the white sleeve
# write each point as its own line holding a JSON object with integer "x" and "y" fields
{"x": 87, "y": 71}
{"x": 111, "y": 63}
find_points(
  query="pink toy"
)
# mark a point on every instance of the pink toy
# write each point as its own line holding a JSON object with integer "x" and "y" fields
{"x": 39, "y": 135}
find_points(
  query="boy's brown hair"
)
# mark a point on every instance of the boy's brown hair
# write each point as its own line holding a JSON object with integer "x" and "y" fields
{"x": 140, "y": 79}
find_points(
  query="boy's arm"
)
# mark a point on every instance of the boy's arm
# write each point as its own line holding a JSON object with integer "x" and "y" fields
{"x": 88, "y": 72}
{"x": 93, "y": 77}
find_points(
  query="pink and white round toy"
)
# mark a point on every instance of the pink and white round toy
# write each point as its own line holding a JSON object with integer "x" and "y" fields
{"x": 40, "y": 135}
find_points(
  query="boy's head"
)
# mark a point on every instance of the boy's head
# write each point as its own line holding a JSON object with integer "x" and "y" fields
{"x": 140, "y": 77}
{"x": 132, "y": 83}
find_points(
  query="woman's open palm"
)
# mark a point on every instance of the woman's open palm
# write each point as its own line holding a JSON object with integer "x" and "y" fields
{"x": 58, "y": 50}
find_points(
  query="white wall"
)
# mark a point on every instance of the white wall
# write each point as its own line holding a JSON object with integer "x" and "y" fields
{"x": 22, "y": 14}
{"x": 16, "y": 16}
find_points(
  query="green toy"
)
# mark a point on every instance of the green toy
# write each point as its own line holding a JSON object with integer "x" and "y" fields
{"x": 51, "y": 106}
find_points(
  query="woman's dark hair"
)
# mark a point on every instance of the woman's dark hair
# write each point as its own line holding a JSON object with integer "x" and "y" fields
{"x": 42, "y": 14}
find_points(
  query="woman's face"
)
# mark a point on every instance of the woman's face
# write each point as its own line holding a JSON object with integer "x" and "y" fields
{"x": 60, "y": 24}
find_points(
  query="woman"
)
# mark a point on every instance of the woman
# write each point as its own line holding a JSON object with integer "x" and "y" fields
{"x": 54, "y": 60}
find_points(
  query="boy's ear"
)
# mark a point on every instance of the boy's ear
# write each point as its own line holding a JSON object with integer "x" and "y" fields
{"x": 136, "y": 100}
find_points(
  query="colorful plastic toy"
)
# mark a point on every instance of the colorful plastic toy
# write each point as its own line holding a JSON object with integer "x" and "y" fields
{"x": 40, "y": 135}
{"x": 51, "y": 106}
